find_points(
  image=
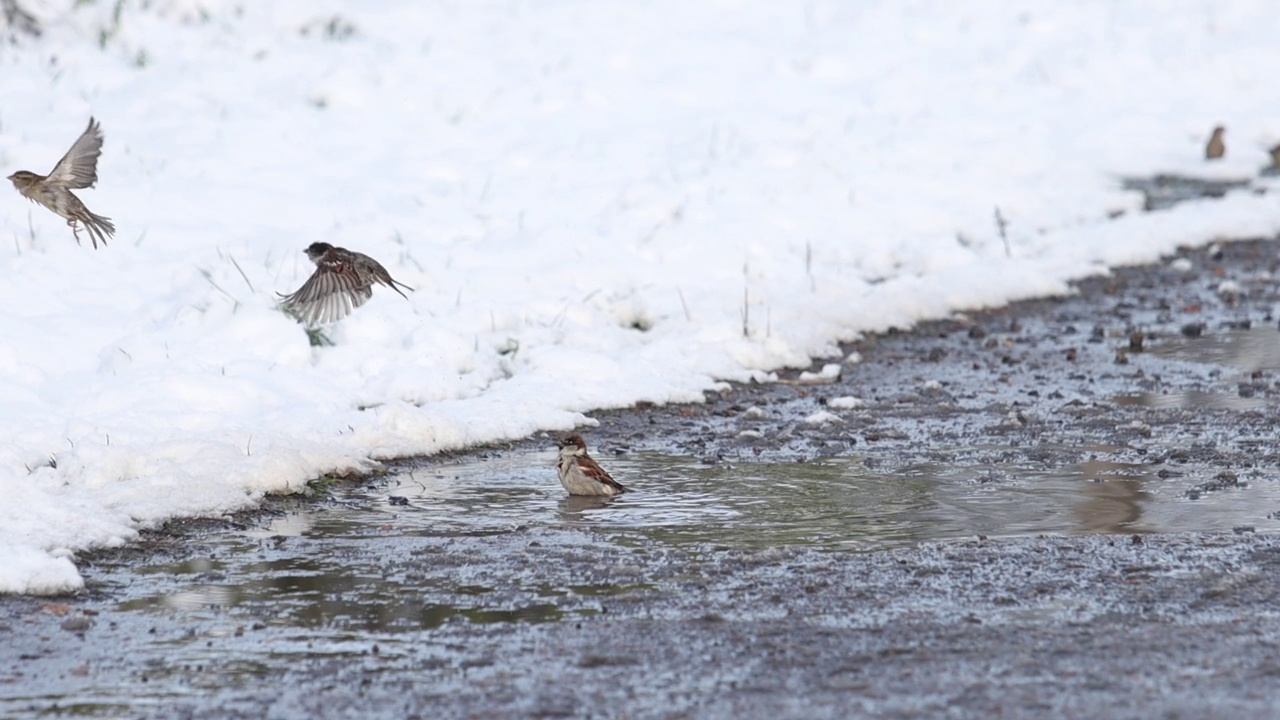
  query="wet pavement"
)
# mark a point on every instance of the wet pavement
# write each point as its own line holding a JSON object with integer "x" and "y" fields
{"x": 1064, "y": 507}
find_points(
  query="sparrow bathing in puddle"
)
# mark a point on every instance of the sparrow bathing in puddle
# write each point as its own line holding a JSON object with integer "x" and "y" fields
{"x": 581, "y": 475}
{"x": 342, "y": 282}
{"x": 76, "y": 170}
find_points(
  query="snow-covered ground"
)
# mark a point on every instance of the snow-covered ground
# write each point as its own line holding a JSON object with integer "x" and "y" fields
{"x": 588, "y": 197}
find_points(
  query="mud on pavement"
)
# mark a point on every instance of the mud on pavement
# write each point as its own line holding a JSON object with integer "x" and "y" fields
{"x": 1087, "y": 532}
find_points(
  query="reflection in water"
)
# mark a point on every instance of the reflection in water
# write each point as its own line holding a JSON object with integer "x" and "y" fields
{"x": 1193, "y": 399}
{"x": 1114, "y": 497}
{"x": 573, "y": 506}
{"x": 1257, "y": 348}
{"x": 290, "y": 525}
{"x": 343, "y": 599}
{"x": 192, "y": 598}
{"x": 1247, "y": 351}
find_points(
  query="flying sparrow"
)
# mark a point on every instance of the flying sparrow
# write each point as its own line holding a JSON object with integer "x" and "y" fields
{"x": 581, "y": 475}
{"x": 1215, "y": 148}
{"x": 77, "y": 169}
{"x": 342, "y": 282}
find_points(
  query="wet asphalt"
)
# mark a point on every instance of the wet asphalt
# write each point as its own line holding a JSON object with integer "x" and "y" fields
{"x": 338, "y": 606}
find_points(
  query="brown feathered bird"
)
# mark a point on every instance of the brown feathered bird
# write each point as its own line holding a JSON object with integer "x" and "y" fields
{"x": 76, "y": 170}
{"x": 581, "y": 475}
{"x": 1215, "y": 148}
{"x": 342, "y": 282}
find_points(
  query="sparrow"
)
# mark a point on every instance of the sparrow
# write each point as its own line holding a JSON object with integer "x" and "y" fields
{"x": 581, "y": 475}
{"x": 1275, "y": 156}
{"x": 342, "y": 282}
{"x": 1215, "y": 148}
{"x": 77, "y": 169}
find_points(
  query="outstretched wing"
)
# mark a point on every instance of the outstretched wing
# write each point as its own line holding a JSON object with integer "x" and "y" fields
{"x": 330, "y": 294}
{"x": 79, "y": 167}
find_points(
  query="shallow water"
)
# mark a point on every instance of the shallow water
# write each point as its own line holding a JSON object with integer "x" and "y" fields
{"x": 334, "y": 565}
{"x": 1237, "y": 354}
{"x": 498, "y": 541}
{"x": 1245, "y": 351}
{"x": 1161, "y": 192}
{"x": 831, "y": 503}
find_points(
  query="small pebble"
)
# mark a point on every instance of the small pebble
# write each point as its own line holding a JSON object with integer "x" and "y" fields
{"x": 77, "y": 624}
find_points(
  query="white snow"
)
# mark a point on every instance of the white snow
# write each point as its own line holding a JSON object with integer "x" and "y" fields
{"x": 847, "y": 402}
{"x": 1230, "y": 287}
{"x": 823, "y": 417}
{"x": 829, "y": 373}
{"x": 593, "y": 199}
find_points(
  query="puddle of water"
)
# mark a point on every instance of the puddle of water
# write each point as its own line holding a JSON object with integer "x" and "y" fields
{"x": 348, "y": 598}
{"x": 1164, "y": 191}
{"x": 1245, "y": 351}
{"x": 338, "y": 566}
{"x": 1257, "y": 348}
{"x": 1193, "y": 399}
{"x": 834, "y": 504}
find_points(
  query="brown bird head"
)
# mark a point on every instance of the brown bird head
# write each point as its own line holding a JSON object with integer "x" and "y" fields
{"x": 316, "y": 250}
{"x": 574, "y": 441}
{"x": 23, "y": 179}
